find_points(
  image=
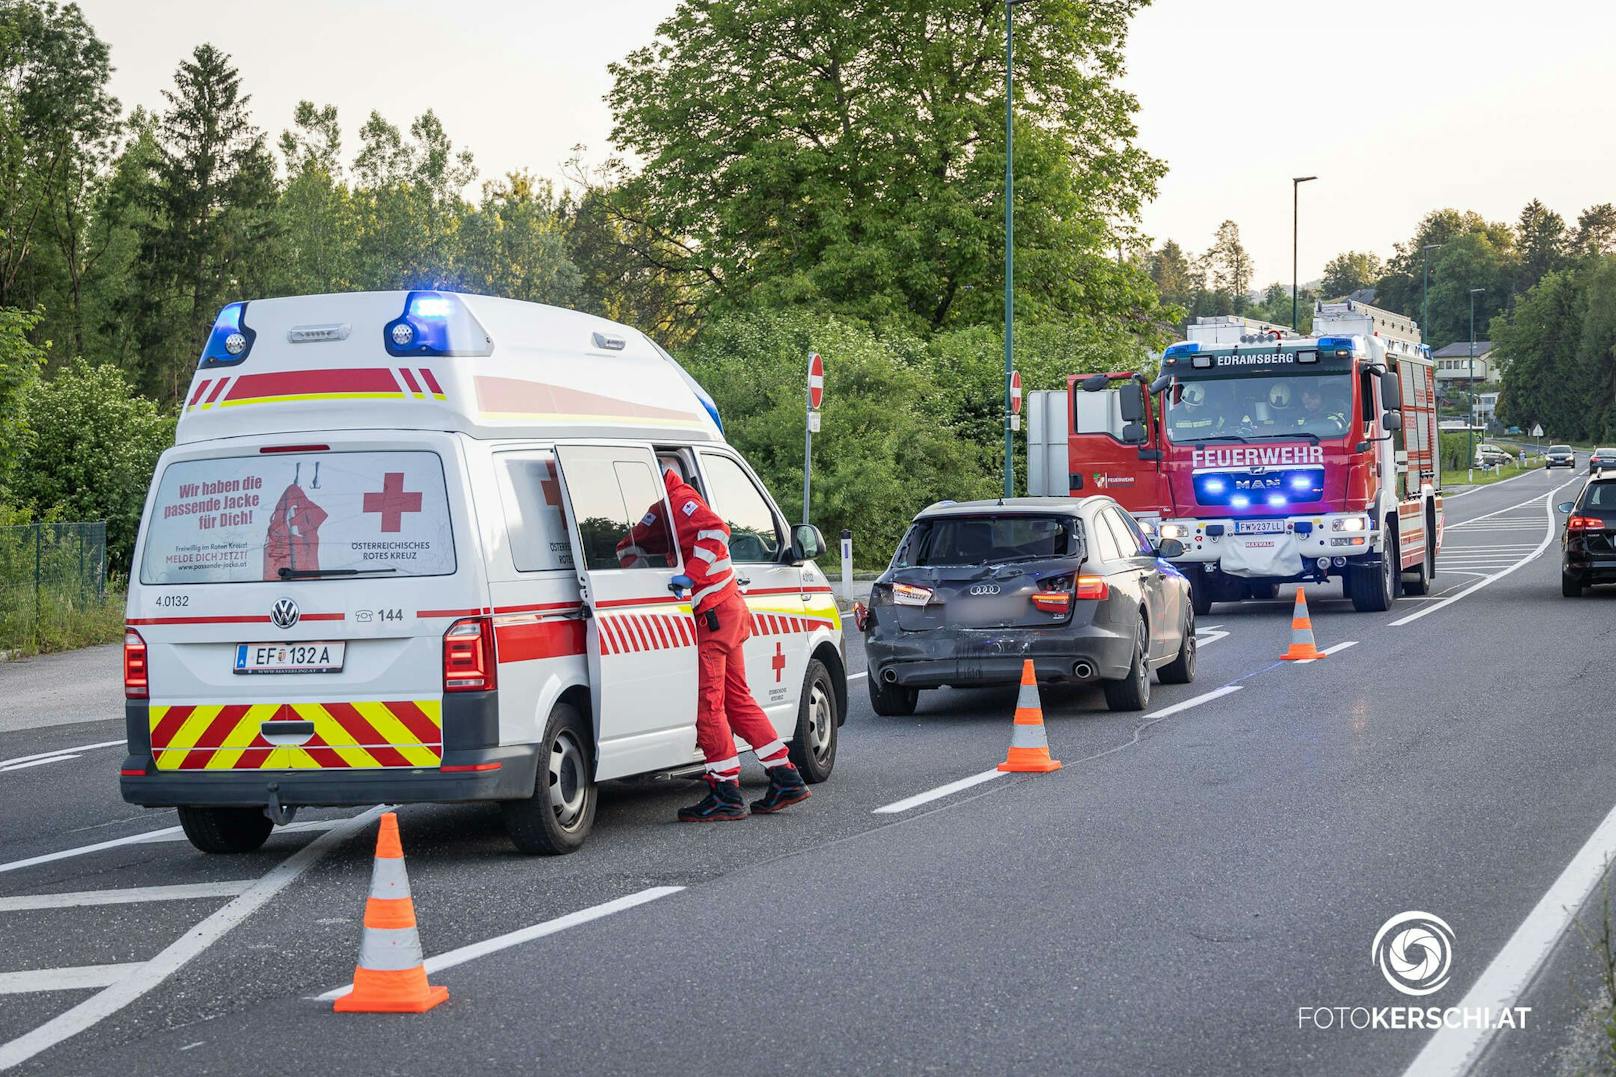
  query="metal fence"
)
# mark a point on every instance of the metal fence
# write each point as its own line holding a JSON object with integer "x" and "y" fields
{"x": 52, "y": 578}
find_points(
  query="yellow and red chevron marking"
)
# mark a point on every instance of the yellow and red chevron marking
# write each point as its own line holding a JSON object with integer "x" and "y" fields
{"x": 625, "y": 633}
{"x": 363, "y": 735}
{"x": 291, "y": 386}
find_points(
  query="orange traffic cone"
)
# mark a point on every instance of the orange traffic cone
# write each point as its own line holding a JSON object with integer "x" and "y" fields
{"x": 1302, "y": 646}
{"x": 1029, "y": 748}
{"x": 390, "y": 977}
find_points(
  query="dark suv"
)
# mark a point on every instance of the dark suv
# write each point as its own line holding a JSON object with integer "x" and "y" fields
{"x": 1587, "y": 552}
{"x": 977, "y": 587}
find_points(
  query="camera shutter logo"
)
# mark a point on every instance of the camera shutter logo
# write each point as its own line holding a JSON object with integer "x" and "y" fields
{"x": 284, "y": 613}
{"x": 1414, "y": 951}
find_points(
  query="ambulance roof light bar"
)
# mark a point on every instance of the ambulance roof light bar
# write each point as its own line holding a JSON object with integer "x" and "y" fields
{"x": 231, "y": 340}
{"x": 433, "y": 324}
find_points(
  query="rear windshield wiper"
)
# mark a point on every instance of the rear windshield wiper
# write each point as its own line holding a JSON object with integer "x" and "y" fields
{"x": 1216, "y": 437}
{"x": 321, "y": 573}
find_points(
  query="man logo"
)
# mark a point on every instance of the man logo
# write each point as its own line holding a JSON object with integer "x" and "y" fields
{"x": 284, "y": 613}
{"x": 985, "y": 589}
{"x": 1414, "y": 951}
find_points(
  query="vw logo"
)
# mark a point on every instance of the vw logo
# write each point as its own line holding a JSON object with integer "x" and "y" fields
{"x": 284, "y": 614}
{"x": 985, "y": 589}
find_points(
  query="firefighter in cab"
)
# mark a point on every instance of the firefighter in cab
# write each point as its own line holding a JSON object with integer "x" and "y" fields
{"x": 724, "y": 704}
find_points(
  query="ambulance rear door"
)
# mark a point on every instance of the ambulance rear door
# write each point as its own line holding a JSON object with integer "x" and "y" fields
{"x": 641, "y": 637}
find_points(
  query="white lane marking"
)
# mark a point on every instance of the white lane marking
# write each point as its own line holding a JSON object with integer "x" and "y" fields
{"x": 1327, "y": 651}
{"x": 1488, "y": 486}
{"x": 167, "y": 833}
{"x": 125, "y": 895}
{"x": 61, "y": 751}
{"x": 856, "y": 676}
{"x": 527, "y": 934}
{"x": 1511, "y": 971}
{"x": 1548, "y": 537}
{"x": 37, "y": 763}
{"x": 938, "y": 793}
{"x": 1210, "y": 634}
{"x": 114, "y": 998}
{"x": 73, "y": 978}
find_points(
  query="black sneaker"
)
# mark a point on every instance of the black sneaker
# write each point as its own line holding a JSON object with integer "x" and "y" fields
{"x": 722, "y": 804}
{"x": 786, "y": 788}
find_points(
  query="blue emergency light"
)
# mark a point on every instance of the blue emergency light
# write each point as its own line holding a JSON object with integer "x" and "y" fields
{"x": 435, "y": 323}
{"x": 1339, "y": 347}
{"x": 231, "y": 340}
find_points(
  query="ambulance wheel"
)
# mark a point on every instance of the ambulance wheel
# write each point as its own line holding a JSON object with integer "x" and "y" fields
{"x": 226, "y": 830}
{"x": 1200, "y": 593}
{"x": 892, "y": 700}
{"x": 813, "y": 745}
{"x": 1132, "y": 692}
{"x": 558, "y": 816}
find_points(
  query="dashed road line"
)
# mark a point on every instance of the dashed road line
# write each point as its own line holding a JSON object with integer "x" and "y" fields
{"x": 37, "y": 763}
{"x": 124, "y": 895}
{"x": 1327, "y": 651}
{"x": 111, "y": 999}
{"x": 528, "y": 934}
{"x": 4, "y": 763}
{"x": 938, "y": 793}
{"x": 167, "y": 833}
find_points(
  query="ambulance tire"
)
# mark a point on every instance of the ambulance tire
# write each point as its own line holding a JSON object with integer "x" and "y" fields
{"x": 813, "y": 745}
{"x": 1201, "y": 593}
{"x": 550, "y": 827}
{"x": 225, "y": 830}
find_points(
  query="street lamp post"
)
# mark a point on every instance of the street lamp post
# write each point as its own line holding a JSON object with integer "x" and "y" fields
{"x": 1296, "y": 186}
{"x": 1009, "y": 235}
{"x": 1470, "y": 427}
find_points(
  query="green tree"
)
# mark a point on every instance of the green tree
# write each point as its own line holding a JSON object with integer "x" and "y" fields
{"x": 408, "y": 204}
{"x": 95, "y": 444}
{"x": 1227, "y": 268}
{"x": 1541, "y": 240}
{"x": 1349, "y": 272}
{"x": 852, "y": 155}
{"x": 1596, "y": 354}
{"x": 1473, "y": 253}
{"x": 20, "y": 363}
{"x": 1596, "y": 231}
{"x": 514, "y": 244}
{"x": 1538, "y": 344}
{"x": 212, "y": 196}
{"x": 1275, "y": 307}
{"x": 1174, "y": 274}
{"x": 315, "y": 210}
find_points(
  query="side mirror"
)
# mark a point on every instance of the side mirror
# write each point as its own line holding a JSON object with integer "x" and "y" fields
{"x": 1094, "y": 383}
{"x": 1132, "y": 404}
{"x": 806, "y": 543}
{"x": 1391, "y": 391}
{"x": 1133, "y": 434}
{"x": 1160, "y": 384}
{"x": 1564, "y": 507}
{"x": 1391, "y": 421}
{"x": 1169, "y": 548}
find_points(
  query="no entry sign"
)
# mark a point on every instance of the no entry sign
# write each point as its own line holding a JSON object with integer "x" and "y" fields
{"x": 1015, "y": 392}
{"x": 816, "y": 380}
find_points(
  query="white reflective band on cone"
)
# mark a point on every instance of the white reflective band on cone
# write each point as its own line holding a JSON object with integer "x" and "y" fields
{"x": 1027, "y": 736}
{"x": 389, "y": 949}
{"x": 1027, "y": 698}
{"x": 388, "y": 879}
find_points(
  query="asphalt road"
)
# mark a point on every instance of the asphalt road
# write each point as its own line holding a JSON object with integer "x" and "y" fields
{"x": 1164, "y": 903}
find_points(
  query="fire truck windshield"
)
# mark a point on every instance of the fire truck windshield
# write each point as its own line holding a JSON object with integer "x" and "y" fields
{"x": 1289, "y": 405}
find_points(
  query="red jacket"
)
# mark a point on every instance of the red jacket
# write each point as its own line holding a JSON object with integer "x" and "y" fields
{"x": 704, "y": 541}
{"x": 293, "y": 539}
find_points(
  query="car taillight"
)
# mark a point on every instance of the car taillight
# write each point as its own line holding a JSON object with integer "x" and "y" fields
{"x": 1092, "y": 587}
{"x": 907, "y": 594}
{"x": 1585, "y": 523}
{"x": 136, "y": 681}
{"x": 1054, "y": 594}
{"x": 469, "y": 661}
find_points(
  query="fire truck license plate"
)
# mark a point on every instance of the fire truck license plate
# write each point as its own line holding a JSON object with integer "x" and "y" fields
{"x": 1259, "y": 527}
{"x": 311, "y": 657}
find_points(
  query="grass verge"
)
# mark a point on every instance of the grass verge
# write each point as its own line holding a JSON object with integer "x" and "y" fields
{"x": 58, "y": 620}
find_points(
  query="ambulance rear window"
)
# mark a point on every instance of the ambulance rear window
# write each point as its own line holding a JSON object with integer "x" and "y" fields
{"x": 326, "y": 515}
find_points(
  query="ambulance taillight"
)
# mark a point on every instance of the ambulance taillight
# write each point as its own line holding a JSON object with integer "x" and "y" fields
{"x": 469, "y": 662}
{"x": 135, "y": 684}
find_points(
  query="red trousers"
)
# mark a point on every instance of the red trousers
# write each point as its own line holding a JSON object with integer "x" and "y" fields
{"x": 724, "y": 703}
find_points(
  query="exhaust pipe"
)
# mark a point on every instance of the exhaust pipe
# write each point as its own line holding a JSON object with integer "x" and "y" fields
{"x": 1083, "y": 670}
{"x": 889, "y": 675}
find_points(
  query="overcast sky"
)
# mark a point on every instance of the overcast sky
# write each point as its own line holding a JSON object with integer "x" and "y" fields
{"x": 1514, "y": 101}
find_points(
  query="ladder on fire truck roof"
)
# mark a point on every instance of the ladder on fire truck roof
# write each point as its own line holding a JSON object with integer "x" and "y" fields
{"x": 1348, "y": 317}
{"x": 1233, "y": 329}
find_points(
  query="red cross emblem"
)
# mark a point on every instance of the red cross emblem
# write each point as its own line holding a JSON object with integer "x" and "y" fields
{"x": 392, "y": 502}
{"x": 549, "y": 488}
{"x": 778, "y": 662}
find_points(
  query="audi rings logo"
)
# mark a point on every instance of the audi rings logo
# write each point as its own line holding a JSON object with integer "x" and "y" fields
{"x": 1414, "y": 951}
{"x": 985, "y": 589}
{"x": 284, "y": 614}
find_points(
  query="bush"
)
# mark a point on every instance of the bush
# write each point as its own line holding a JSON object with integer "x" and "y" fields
{"x": 1455, "y": 451}
{"x": 93, "y": 448}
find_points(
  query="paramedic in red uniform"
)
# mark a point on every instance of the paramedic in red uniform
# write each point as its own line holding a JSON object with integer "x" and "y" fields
{"x": 724, "y": 703}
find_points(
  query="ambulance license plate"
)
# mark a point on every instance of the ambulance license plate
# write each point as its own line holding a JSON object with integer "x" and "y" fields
{"x": 314, "y": 656}
{"x": 1259, "y": 527}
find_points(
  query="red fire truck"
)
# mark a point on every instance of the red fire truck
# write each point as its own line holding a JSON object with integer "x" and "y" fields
{"x": 1271, "y": 457}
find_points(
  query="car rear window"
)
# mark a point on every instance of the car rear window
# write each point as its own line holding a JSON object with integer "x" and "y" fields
{"x": 980, "y": 540}
{"x": 1599, "y": 497}
{"x": 299, "y": 516}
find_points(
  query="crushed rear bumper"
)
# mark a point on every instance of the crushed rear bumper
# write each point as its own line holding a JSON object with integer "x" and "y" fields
{"x": 956, "y": 656}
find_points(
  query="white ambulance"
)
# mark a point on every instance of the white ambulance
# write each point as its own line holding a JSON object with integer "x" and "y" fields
{"x": 383, "y": 563}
